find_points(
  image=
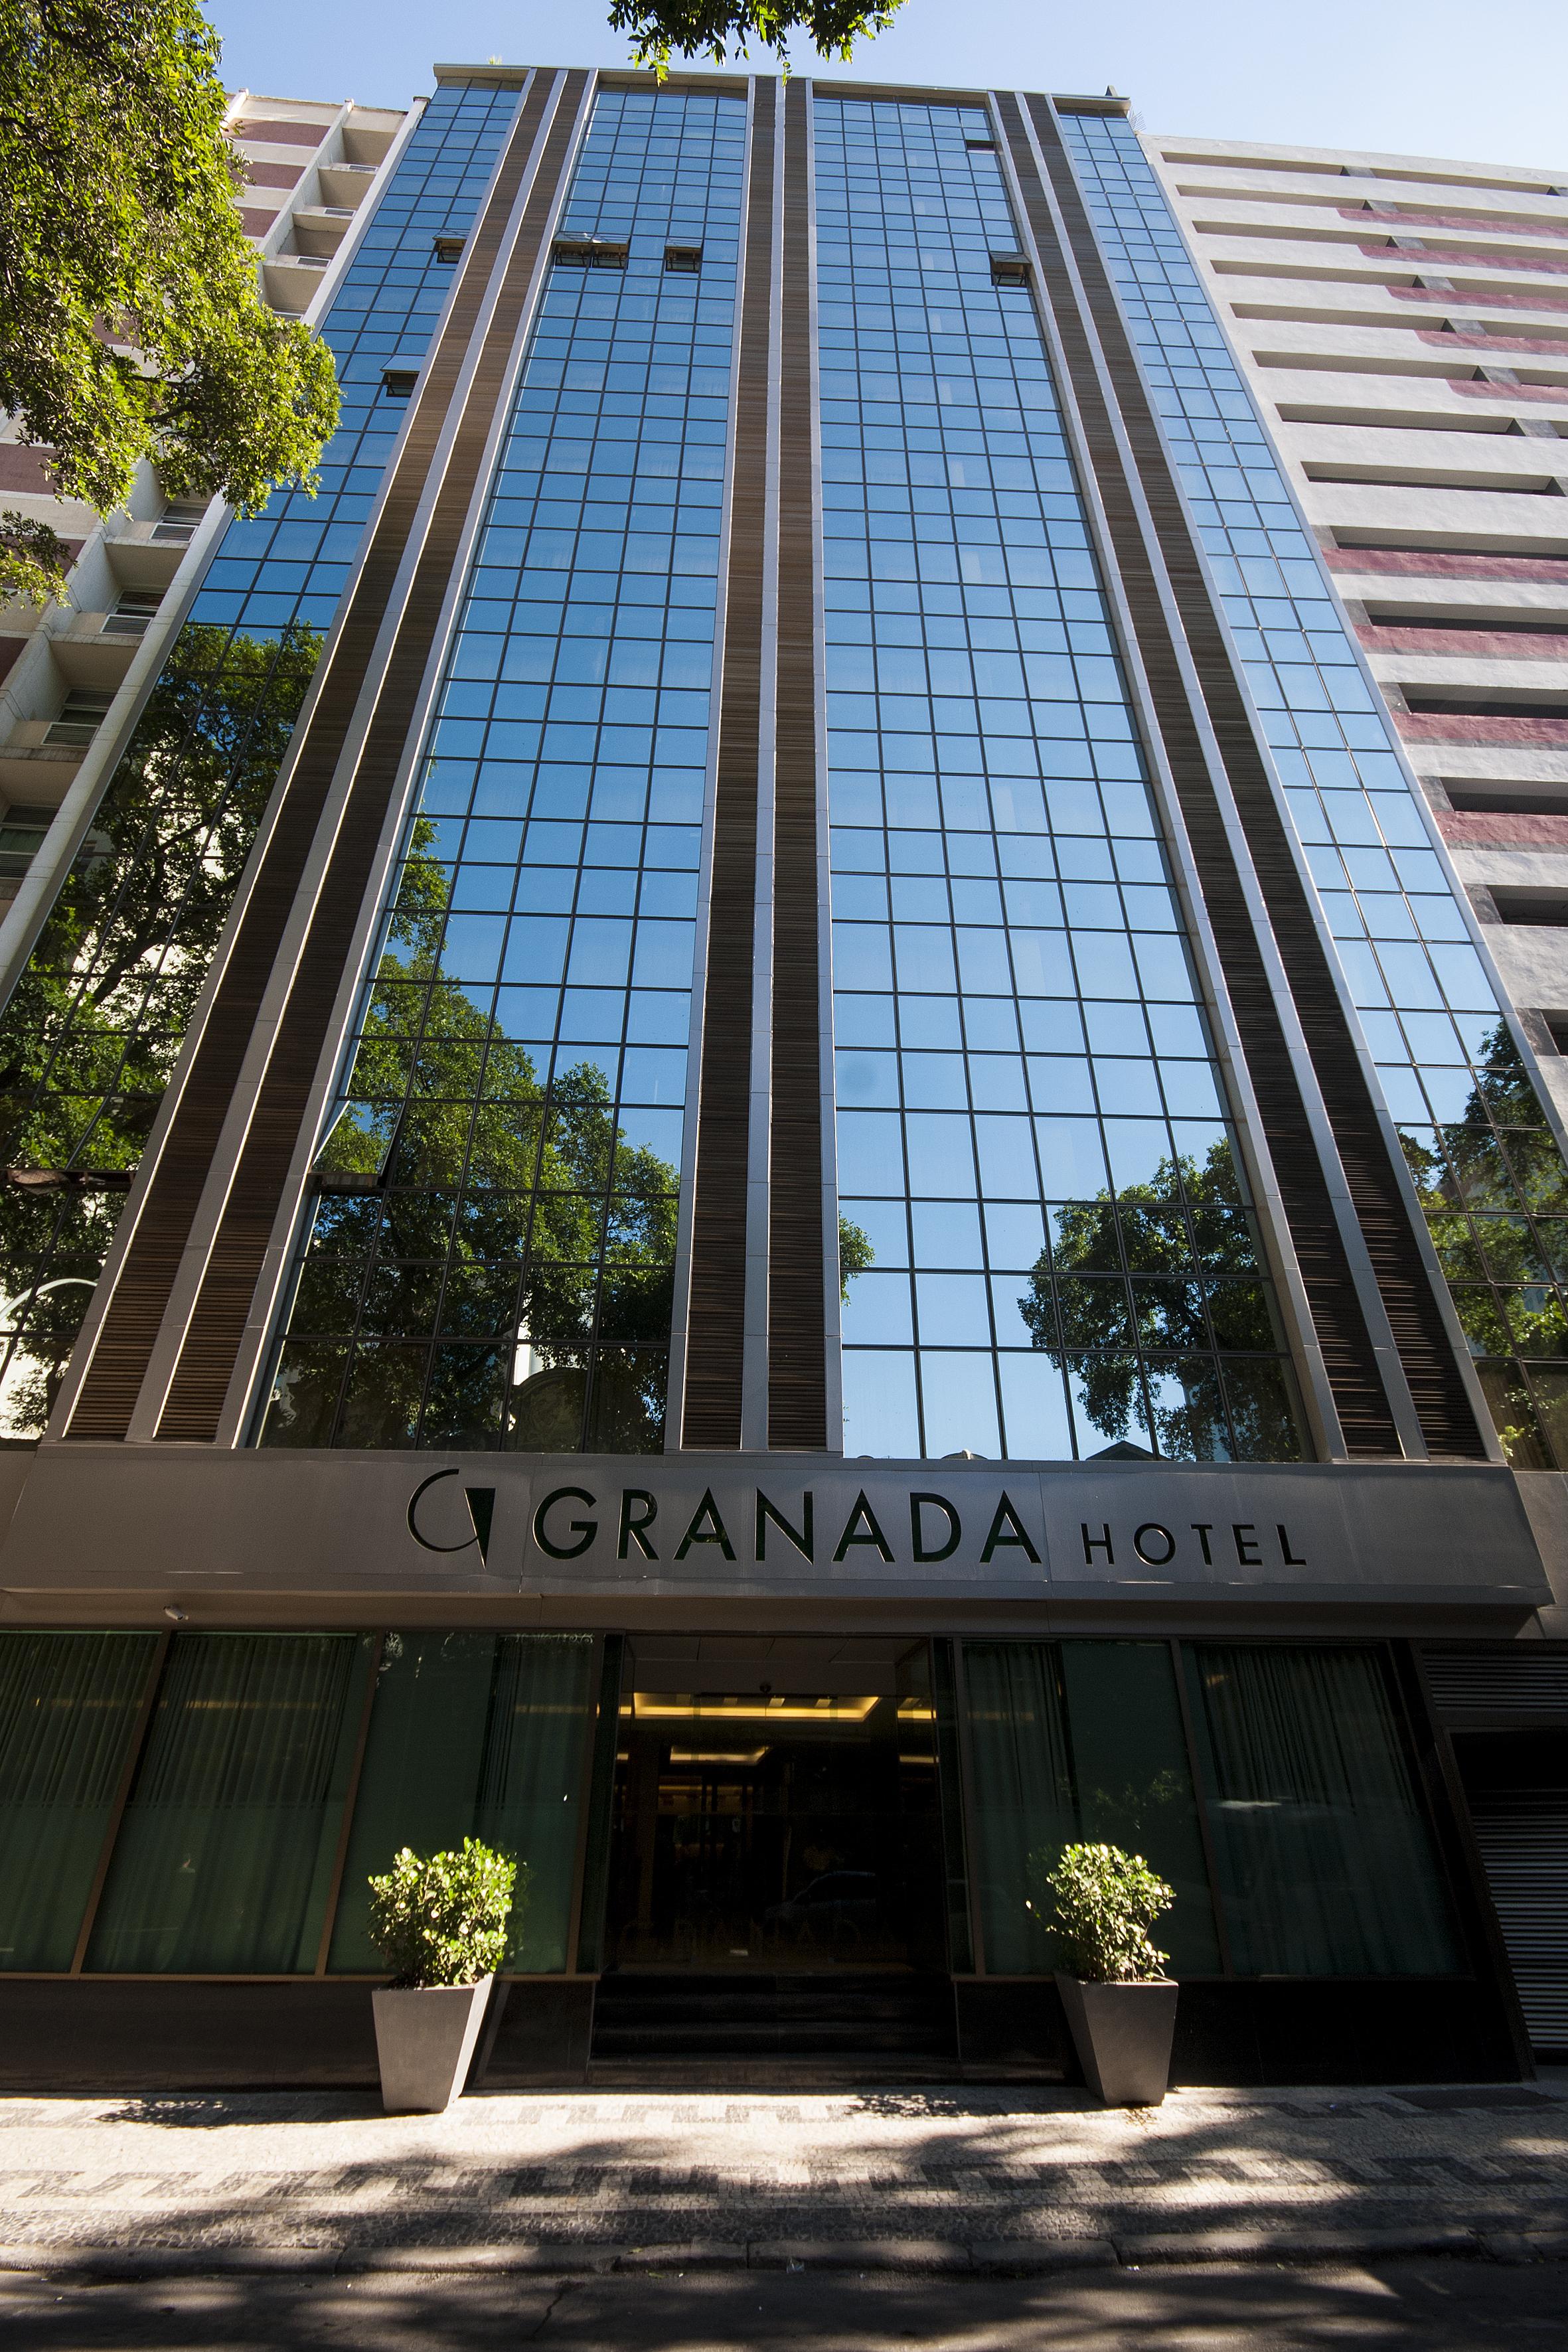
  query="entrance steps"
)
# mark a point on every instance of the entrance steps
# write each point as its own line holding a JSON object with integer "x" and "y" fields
{"x": 886, "y": 2021}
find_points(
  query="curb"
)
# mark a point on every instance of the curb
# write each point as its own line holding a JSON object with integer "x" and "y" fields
{"x": 993, "y": 2258}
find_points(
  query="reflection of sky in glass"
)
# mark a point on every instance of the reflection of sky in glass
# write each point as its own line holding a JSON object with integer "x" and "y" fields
{"x": 1031, "y": 1130}
{"x": 1485, "y": 1163}
{"x": 490, "y": 1260}
{"x": 89, "y": 1039}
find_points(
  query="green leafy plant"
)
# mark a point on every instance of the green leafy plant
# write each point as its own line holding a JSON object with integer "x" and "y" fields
{"x": 1106, "y": 1901}
{"x": 663, "y": 28}
{"x": 132, "y": 324}
{"x": 442, "y": 1918}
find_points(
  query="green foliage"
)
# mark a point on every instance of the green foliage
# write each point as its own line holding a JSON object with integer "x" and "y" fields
{"x": 663, "y": 28}
{"x": 855, "y": 1255}
{"x": 1188, "y": 1243}
{"x": 132, "y": 325}
{"x": 1105, "y": 1903}
{"x": 563, "y": 1239}
{"x": 442, "y": 1918}
{"x": 33, "y": 561}
{"x": 1465, "y": 1172}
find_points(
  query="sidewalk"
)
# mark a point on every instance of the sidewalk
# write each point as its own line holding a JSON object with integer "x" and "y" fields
{"x": 993, "y": 2181}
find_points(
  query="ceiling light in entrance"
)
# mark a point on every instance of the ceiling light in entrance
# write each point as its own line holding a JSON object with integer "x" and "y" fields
{"x": 712, "y": 1755}
{"x": 685, "y": 1706}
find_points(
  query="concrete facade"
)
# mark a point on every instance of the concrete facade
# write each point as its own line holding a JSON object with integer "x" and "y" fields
{"x": 1401, "y": 321}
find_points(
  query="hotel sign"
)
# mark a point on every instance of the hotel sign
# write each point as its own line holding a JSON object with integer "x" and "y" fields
{"x": 605, "y": 1529}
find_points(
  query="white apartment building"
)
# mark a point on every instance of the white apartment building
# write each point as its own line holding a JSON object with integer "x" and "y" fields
{"x": 70, "y": 676}
{"x": 1402, "y": 322}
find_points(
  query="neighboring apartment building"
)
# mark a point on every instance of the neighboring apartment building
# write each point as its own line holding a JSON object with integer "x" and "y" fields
{"x": 1404, "y": 325}
{"x": 70, "y": 676}
{"x": 766, "y": 1150}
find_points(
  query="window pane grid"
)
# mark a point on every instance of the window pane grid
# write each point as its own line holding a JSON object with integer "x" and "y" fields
{"x": 1052, "y": 1251}
{"x": 1484, "y": 1162}
{"x": 491, "y": 1258}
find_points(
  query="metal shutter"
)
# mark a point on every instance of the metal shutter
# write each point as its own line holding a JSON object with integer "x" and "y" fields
{"x": 1522, "y": 1834}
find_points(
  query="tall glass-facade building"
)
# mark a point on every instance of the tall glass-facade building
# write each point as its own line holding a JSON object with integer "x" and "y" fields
{"x": 762, "y": 1147}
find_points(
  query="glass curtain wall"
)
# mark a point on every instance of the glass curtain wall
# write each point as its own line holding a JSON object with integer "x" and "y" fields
{"x": 1056, "y": 1250}
{"x": 69, "y": 1707}
{"x": 1485, "y": 1164}
{"x": 490, "y": 1257}
{"x": 91, "y": 1034}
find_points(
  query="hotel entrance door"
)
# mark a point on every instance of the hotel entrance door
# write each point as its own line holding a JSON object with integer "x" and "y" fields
{"x": 776, "y": 1806}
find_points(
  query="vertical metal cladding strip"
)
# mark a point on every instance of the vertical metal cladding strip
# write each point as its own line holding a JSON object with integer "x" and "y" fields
{"x": 1426, "y": 1355}
{"x": 1349, "y": 1353}
{"x": 200, "y": 1383}
{"x": 710, "y": 1412}
{"x": 173, "y": 1191}
{"x": 796, "y": 1359}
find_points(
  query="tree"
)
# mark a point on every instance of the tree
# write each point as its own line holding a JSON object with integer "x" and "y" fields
{"x": 566, "y": 1242}
{"x": 132, "y": 326}
{"x": 663, "y": 28}
{"x": 1186, "y": 1240}
{"x": 855, "y": 1255}
{"x": 90, "y": 1035}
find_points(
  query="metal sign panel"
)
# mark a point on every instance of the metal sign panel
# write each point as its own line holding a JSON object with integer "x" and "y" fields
{"x": 109, "y": 1518}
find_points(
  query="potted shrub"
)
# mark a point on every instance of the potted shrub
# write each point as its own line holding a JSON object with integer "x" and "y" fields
{"x": 1120, "y": 2004}
{"x": 439, "y": 1921}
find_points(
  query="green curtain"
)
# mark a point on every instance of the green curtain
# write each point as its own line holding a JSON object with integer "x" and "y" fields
{"x": 474, "y": 1734}
{"x": 224, "y": 1859}
{"x": 1326, "y": 1864}
{"x": 1134, "y": 1784}
{"x": 1023, "y": 1798}
{"x": 531, "y": 1793}
{"x": 68, "y": 1704}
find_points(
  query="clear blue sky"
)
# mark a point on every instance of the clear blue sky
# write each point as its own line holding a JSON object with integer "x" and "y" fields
{"x": 1455, "y": 78}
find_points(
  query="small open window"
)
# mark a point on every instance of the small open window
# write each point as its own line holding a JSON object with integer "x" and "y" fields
{"x": 1009, "y": 270}
{"x": 398, "y": 383}
{"x": 448, "y": 248}
{"x": 683, "y": 260}
{"x": 80, "y": 716}
{"x": 588, "y": 253}
{"x": 981, "y": 146}
{"x": 130, "y": 615}
{"x": 176, "y": 526}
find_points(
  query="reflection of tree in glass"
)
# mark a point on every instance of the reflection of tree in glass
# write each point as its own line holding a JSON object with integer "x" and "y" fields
{"x": 1496, "y": 1179}
{"x": 89, "y": 1038}
{"x": 855, "y": 1255}
{"x": 1187, "y": 1243}
{"x": 564, "y": 1239}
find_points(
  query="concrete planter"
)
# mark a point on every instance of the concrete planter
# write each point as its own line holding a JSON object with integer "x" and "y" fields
{"x": 1123, "y": 2034}
{"x": 424, "y": 2039}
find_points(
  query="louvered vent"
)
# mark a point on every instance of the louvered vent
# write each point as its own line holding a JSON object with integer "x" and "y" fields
{"x": 1499, "y": 1689}
{"x": 1522, "y": 1834}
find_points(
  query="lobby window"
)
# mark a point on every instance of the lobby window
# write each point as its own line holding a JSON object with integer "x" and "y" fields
{"x": 490, "y": 1257}
{"x": 223, "y": 1864}
{"x": 475, "y": 1735}
{"x": 1052, "y": 1247}
{"x": 68, "y": 1708}
{"x": 1323, "y": 1863}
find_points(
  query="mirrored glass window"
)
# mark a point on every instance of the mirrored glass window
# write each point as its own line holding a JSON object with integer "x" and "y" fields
{"x": 490, "y": 1256}
{"x": 1485, "y": 1164}
{"x": 1048, "y": 1246}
